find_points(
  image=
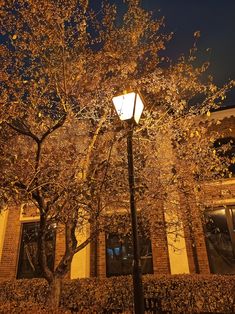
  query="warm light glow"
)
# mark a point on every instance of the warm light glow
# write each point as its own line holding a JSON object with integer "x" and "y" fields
{"x": 129, "y": 106}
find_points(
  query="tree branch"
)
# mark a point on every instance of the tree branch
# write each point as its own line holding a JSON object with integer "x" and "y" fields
{"x": 54, "y": 127}
{"x": 22, "y": 129}
{"x": 91, "y": 146}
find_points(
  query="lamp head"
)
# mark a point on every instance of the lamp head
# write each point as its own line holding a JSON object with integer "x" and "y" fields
{"x": 129, "y": 106}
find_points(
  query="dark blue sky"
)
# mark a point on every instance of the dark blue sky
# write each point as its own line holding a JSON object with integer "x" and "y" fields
{"x": 215, "y": 19}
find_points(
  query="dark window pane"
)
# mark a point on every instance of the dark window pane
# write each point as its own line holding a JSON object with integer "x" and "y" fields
{"x": 28, "y": 259}
{"x": 225, "y": 148}
{"x": 233, "y": 217}
{"x": 119, "y": 255}
{"x": 220, "y": 247}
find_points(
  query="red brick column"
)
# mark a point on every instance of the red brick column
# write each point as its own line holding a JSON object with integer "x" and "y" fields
{"x": 60, "y": 247}
{"x": 161, "y": 262}
{"x": 93, "y": 258}
{"x": 11, "y": 245}
{"x": 101, "y": 256}
{"x": 60, "y": 244}
{"x": 194, "y": 237}
{"x": 196, "y": 246}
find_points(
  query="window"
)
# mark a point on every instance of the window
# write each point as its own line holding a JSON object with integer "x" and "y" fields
{"x": 28, "y": 259}
{"x": 119, "y": 255}
{"x": 220, "y": 239}
{"x": 225, "y": 148}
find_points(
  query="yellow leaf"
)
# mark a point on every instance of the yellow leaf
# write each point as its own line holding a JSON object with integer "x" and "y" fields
{"x": 14, "y": 37}
{"x": 208, "y": 114}
{"x": 197, "y": 34}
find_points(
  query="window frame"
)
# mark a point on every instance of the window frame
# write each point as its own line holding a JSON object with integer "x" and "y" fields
{"x": 228, "y": 154}
{"x": 21, "y": 273}
{"x": 229, "y": 213}
{"x": 109, "y": 273}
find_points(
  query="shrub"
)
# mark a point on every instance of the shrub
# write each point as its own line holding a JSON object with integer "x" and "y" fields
{"x": 102, "y": 295}
{"x": 192, "y": 293}
{"x": 176, "y": 294}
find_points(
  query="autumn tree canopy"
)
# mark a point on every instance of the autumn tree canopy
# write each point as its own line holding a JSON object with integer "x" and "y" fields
{"x": 63, "y": 147}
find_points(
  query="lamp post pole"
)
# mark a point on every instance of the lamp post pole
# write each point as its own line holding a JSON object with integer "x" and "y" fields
{"x": 137, "y": 272}
{"x": 129, "y": 107}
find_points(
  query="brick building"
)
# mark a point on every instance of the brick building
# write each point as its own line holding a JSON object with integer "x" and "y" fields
{"x": 211, "y": 250}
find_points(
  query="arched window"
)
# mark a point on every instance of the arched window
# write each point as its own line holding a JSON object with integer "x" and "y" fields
{"x": 225, "y": 148}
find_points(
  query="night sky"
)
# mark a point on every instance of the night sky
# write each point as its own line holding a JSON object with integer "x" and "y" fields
{"x": 215, "y": 19}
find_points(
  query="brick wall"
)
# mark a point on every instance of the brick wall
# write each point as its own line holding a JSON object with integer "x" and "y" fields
{"x": 159, "y": 250}
{"x": 194, "y": 235}
{"x": 60, "y": 244}
{"x": 161, "y": 263}
{"x": 11, "y": 245}
{"x": 93, "y": 257}
{"x": 225, "y": 126}
{"x": 214, "y": 193}
{"x": 218, "y": 192}
{"x": 101, "y": 256}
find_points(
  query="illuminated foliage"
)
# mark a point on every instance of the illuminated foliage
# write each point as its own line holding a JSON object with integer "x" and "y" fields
{"x": 63, "y": 149}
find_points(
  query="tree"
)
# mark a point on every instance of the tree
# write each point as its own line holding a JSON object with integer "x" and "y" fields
{"x": 62, "y": 145}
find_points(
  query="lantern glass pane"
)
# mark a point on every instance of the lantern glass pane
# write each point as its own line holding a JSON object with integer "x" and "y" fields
{"x": 138, "y": 108}
{"x": 124, "y": 105}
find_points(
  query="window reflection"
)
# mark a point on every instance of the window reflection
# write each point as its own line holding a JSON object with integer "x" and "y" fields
{"x": 28, "y": 266}
{"x": 119, "y": 255}
{"x": 220, "y": 239}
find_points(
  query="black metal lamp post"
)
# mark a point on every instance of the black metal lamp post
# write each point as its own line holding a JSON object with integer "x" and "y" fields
{"x": 129, "y": 107}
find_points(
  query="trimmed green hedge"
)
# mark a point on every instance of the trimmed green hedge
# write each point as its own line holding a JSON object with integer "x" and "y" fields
{"x": 176, "y": 294}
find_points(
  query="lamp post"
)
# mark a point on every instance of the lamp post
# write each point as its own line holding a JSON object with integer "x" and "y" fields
{"x": 129, "y": 107}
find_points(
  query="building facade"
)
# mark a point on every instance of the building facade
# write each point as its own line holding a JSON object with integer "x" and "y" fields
{"x": 210, "y": 250}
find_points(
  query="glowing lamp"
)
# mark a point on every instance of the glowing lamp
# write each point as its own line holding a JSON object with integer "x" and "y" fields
{"x": 129, "y": 106}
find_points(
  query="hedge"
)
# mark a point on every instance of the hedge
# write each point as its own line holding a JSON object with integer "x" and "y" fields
{"x": 171, "y": 293}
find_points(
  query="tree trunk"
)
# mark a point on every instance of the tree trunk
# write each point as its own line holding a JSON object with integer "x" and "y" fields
{"x": 54, "y": 293}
